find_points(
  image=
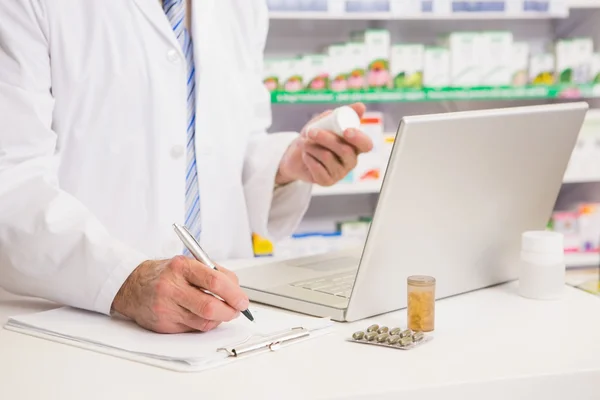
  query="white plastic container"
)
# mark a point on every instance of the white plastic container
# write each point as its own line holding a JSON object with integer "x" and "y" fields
{"x": 436, "y": 70}
{"x": 467, "y": 57}
{"x": 542, "y": 267}
{"x": 338, "y": 121}
{"x": 497, "y": 58}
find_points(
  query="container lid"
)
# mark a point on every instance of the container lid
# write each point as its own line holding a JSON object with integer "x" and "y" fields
{"x": 421, "y": 280}
{"x": 542, "y": 242}
{"x": 346, "y": 118}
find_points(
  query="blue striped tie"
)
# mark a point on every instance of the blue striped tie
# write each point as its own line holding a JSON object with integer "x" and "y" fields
{"x": 176, "y": 13}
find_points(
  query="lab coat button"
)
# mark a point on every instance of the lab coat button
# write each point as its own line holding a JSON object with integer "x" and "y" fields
{"x": 173, "y": 56}
{"x": 177, "y": 151}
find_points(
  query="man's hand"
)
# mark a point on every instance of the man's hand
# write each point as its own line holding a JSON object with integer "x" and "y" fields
{"x": 323, "y": 157}
{"x": 165, "y": 297}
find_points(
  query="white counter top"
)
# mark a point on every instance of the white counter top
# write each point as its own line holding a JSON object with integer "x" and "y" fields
{"x": 490, "y": 344}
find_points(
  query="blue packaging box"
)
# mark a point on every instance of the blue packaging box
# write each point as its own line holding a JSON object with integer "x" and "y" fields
{"x": 297, "y": 5}
{"x": 478, "y": 6}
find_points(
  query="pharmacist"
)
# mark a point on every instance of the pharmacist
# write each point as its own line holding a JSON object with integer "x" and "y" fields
{"x": 115, "y": 124}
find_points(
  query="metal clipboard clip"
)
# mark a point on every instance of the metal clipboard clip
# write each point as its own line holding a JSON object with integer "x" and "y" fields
{"x": 266, "y": 343}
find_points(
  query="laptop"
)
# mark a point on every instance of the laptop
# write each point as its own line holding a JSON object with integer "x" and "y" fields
{"x": 458, "y": 191}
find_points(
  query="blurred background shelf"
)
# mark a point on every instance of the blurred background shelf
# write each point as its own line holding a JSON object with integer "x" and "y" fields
{"x": 574, "y": 260}
{"x": 591, "y": 179}
{"x": 439, "y": 94}
{"x": 458, "y": 16}
{"x": 583, "y": 3}
{"x": 418, "y": 9}
{"x": 316, "y": 47}
{"x": 348, "y": 188}
{"x": 373, "y": 187}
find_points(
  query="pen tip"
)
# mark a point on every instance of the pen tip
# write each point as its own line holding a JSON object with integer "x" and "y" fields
{"x": 248, "y": 315}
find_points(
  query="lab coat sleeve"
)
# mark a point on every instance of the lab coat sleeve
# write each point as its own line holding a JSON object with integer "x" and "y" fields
{"x": 51, "y": 246}
{"x": 274, "y": 212}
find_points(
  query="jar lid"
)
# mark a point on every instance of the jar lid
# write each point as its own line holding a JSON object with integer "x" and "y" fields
{"x": 421, "y": 280}
{"x": 542, "y": 242}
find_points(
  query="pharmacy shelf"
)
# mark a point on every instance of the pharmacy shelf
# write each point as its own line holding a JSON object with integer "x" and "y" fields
{"x": 459, "y": 16}
{"x": 347, "y": 188}
{"x": 583, "y": 3}
{"x": 583, "y": 179}
{"x": 438, "y": 94}
{"x": 418, "y": 9}
{"x": 574, "y": 260}
{"x": 373, "y": 187}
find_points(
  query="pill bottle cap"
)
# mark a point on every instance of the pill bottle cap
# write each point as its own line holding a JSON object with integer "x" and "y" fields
{"x": 421, "y": 280}
{"x": 346, "y": 118}
{"x": 542, "y": 242}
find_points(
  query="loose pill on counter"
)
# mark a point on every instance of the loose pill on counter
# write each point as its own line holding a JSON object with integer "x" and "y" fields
{"x": 373, "y": 328}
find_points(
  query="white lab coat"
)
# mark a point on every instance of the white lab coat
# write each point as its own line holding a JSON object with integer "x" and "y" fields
{"x": 93, "y": 135}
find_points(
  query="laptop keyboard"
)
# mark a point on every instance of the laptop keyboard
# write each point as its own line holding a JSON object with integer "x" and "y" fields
{"x": 332, "y": 264}
{"x": 337, "y": 285}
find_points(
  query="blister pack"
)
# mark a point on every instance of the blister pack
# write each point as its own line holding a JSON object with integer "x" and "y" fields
{"x": 397, "y": 338}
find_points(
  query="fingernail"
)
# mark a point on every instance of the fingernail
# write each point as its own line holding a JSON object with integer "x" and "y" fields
{"x": 351, "y": 133}
{"x": 313, "y": 133}
{"x": 243, "y": 305}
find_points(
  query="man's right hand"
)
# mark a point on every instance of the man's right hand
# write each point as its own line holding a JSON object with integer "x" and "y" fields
{"x": 165, "y": 297}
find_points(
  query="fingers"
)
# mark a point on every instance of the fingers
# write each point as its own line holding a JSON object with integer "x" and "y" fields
{"x": 332, "y": 142}
{"x": 359, "y": 108}
{"x": 197, "y": 323}
{"x": 316, "y": 118}
{"x": 318, "y": 172}
{"x": 359, "y": 140}
{"x": 205, "y": 306}
{"x": 332, "y": 165}
{"x": 354, "y": 138}
{"x": 215, "y": 282}
{"x": 230, "y": 274}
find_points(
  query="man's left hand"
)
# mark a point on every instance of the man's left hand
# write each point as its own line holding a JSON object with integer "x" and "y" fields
{"x": 322, "y": 157}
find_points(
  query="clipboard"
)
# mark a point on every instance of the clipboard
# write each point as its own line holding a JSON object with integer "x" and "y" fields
{"x": 90, "y": 331}
{"x": 266, "y": 344}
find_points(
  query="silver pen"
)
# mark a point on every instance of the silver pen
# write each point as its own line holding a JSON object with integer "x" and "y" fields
{"x": 193, "y": 246}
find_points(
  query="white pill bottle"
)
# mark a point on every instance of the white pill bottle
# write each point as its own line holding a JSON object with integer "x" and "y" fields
{"x": 337, "y": 121}
{"x": 542, "y": 267}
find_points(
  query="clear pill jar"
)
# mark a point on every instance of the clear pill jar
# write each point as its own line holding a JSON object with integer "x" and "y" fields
{"x": 421, "y": 303}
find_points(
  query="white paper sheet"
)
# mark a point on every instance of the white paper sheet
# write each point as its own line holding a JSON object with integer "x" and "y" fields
{"x": 114, "y": 334}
